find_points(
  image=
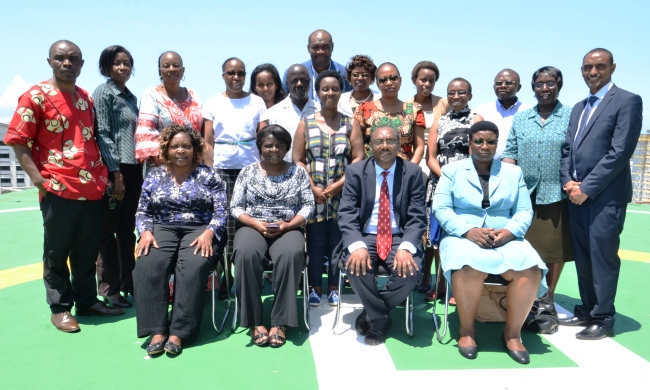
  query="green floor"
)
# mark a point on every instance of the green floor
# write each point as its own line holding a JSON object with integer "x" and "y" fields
{"x": 107, "y": 353}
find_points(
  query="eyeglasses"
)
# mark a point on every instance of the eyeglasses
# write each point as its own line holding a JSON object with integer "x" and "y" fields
{"x": 392, "y": 78}
{"x": 362, "y": 75}
{"x": 507, "y": 83}
{"x": 111, "y": 197}
{"x": 380, "y": 142}
{"x": 490, "y": 142}
{"x": 549, "y": 84}
{"x": 459, "y": 93}
{"x": 232, "y": 73}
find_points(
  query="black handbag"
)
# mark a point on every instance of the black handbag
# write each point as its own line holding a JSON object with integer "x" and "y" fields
{"x": 540, "y": 320}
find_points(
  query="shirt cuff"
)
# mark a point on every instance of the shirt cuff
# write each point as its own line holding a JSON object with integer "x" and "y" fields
{"x": 356, "y": 245}
{"x": 407, "y": 246}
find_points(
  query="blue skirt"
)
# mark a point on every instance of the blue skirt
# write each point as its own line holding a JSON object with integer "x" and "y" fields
{"x": 517, "y": 255}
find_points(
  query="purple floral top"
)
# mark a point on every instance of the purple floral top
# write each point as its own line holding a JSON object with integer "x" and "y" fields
{"x": 199, "y": 200}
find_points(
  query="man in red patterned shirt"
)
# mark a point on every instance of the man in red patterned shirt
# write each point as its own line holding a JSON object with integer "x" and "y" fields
{"x": 52, "y": 133}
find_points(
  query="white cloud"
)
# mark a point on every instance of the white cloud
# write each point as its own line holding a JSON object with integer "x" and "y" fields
{"x": 9, "y": 97}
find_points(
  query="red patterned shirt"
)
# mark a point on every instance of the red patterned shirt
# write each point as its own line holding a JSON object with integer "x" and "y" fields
{"x": 60, "y": 134}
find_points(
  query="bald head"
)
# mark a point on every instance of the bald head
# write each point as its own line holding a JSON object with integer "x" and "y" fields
{"x": 298, "y": 82}
{"x": 320, "y": 34}
{"x": 58, "y": 43}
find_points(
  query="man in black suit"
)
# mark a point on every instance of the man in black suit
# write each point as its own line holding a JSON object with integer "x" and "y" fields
{"x": 602, "y": 135}
{"x": 382, "y": 220}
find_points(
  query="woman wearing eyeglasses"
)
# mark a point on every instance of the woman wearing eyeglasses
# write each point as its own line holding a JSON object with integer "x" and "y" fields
{"x": 361, "y": 73}
{"x": 231, "y": 123}
{"x": 449, "y": 142}
{"x": 484, "y": 208}
{"x": 406, "y": 118}
{"x": 535, "y": 145}
{"x": 164, "y": 105}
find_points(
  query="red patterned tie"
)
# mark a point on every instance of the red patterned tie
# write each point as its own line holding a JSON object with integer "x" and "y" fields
{"x": 384, "y": 232}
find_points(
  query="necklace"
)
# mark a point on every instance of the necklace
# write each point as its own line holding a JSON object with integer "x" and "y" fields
{"x": 175, "y": 97}
{"x": 361, "y": 100}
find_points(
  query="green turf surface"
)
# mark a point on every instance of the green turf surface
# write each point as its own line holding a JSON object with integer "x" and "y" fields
{"x": 107, "y": 354}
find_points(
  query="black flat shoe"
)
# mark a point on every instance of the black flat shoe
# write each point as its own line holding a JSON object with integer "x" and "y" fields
{"x": 172, "y": 348}
{"x": 375, "y": 337}
{"x": 574, "y": 321}
{"x": 155, "y": 349}
{"x": 521, "y": 357}
{"x": 117, "y": 300}
{"x": 361, "y": 324}
{"x": 468, "y": 352}
{"x": 595, "y": 332}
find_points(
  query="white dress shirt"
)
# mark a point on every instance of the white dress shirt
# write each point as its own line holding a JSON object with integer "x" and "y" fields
{"x": 372, "y": 224}
{"x": 502, "y": 117}
{"x": 288, "y": 115}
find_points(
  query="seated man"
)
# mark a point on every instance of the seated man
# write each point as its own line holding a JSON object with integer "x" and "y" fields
{"x": 382, "y": 220}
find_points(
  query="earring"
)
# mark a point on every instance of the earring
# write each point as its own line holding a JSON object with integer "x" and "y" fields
{"x": 183, "y": 79}
{"x": 160, "y": 77}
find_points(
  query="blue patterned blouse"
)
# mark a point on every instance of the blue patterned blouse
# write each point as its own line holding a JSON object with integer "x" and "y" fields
{"x": 272, "y": 198}
{"x": 537, "y": 148}
{"x": 199, "y": 200}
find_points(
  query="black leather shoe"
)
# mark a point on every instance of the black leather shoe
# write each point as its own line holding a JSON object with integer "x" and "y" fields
{"x": 172, "y": 348}
{"x": 117, "y": 300}
{"x": 595, "y": 332}
{"x": 155, "y": 349}
{"x": 375, "y": 337}
{"x": 361, "y": 324}
{"x": 574, "y": 321}
{"x": 521, "y": 357}
{"x": 468, "y": 352}
{"x": 99, "y": 309}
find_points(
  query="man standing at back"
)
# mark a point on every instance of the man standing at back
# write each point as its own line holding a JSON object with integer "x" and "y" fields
{"x": 501, "y": 111}
{"x": 52, "y": 133}
{"x": 295, "y": 107}
{"x": 595, "y": 172}
{"x": 320, "y": 47}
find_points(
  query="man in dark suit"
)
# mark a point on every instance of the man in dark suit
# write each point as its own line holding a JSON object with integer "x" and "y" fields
{"x": 603, "y": 132}
{"x": 382, "y": 220}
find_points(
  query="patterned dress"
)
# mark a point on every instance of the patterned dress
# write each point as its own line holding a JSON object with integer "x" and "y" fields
{"x": 327, "y": 155}
{"x": 453, "y": 145}
{"x": 158, "y": 111}
{"x": 370, "y": 118}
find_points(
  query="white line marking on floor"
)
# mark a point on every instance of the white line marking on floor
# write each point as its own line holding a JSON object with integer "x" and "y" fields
{"x": 637, "y": 212}
{"x": 22, "y": 209}
{"x": 343, "y": 361}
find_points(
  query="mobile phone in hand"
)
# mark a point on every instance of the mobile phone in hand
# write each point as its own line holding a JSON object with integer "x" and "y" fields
{"x": 272, "y": 225}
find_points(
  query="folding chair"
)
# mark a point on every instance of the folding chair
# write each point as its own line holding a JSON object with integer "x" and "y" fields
{"x": 380, "y": 272}
{"x": 491, "y": 280}
{"x": 269, "y": 271}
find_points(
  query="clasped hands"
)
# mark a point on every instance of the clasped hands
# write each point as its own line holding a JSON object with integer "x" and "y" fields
{"x": 489, "y": 237}
{"x": 359, "y": 262}
{"x": 576, "y": 196}
{"x": 203, "y": 244}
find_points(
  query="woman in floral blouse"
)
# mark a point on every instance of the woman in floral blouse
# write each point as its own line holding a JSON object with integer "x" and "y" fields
{"x": 272, "y": 201}
{"x": 181, "y": 220}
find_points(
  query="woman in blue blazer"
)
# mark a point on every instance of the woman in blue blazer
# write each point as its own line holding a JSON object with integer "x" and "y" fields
{"x": 484, "y": 209}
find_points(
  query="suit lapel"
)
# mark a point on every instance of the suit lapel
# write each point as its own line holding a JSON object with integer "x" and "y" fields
{"x": 398, "y": 184}
{"x": 495, "y": 176}
{"x": 370, "y": 182}
{"x": 470, "y": 173}
{"x": 601, "y": 106}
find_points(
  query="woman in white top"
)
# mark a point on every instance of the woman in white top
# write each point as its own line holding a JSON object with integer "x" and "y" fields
{"x": 231, "y": 120}
{"x": 360, "y": 74}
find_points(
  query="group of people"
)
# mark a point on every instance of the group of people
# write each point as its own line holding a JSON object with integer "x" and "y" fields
{"x": 322, "y": 160}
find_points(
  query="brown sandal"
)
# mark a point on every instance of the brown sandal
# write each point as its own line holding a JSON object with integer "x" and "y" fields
{"x": 256, "y": 338}
{"x": 275, "y": 340}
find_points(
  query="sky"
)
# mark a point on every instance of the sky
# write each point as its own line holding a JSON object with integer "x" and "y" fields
{"x": 470, "y": 39}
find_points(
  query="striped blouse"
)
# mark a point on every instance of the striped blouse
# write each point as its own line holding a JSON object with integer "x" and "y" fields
{"x": 117, "y": 118}
{"x": 327, "y": 155}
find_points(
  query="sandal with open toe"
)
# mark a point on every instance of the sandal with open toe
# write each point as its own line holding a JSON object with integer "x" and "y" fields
{"x": 275, "y": 340}
{"x": 259, "y": 339}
